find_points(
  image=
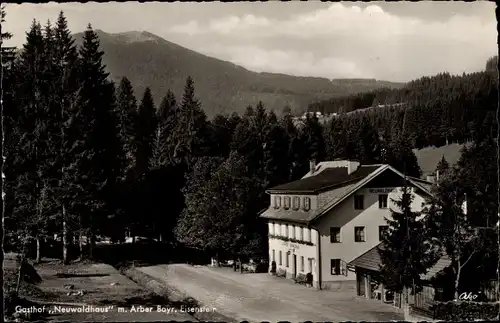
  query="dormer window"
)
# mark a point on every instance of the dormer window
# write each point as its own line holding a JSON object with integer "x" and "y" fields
{"x": 277, "y": 202}
{"x": 296, "y": 203}
{"x": 307, "y": 203}
{"x": 287, "y": 202}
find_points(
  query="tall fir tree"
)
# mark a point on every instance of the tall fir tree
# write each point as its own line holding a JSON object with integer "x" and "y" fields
{"x": 93, "y": 168}
{"x": 406, "y": 252}
{"x": 127, "y": 123}
{"x": 190, "y": 136}
{"x": 66, "y": 85}
{"x": 145, "y": 132}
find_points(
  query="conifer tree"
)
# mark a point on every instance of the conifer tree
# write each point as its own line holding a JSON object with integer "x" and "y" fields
{"x": 442, "y": 166}
{"x": 65, "y": 86}
{"x": 406, "y": 252}
{"x": 127, "y": 117}
{"x": 93, "y": 167}
{"x": 146, "y": 132}
{"x": 190, "y": 135}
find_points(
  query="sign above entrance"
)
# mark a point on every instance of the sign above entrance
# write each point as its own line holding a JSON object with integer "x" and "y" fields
{"x": 291, "y": 245}
{"x": 381, "y": 190}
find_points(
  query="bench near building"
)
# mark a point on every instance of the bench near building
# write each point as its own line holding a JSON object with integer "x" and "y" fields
{"x": 331, "y": 216}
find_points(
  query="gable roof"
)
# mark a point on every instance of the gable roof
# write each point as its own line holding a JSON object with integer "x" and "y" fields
{"x": 336, "y": 201}
{"x": 371, "y": 260}
{"x": 339, "y": 192}
{"x": 301, "y": 216}
{"x": 325, "y": 180}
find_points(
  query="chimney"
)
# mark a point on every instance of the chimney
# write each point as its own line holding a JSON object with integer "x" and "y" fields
{"x": 352, "y": 166}
{"x": 431, "y": 178}
{"x": 312, "y": 166}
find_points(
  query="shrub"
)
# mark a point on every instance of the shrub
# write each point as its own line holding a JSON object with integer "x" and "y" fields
{"x": 465, "y": 311}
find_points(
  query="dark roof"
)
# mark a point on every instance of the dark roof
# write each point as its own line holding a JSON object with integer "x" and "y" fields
{"x": 301, "y": 216}
{"x": 326, "y": 179}
{"x": 371, "y": 260}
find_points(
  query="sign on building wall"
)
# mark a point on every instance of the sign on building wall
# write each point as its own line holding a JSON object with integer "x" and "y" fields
{"x": 381, "y": 190}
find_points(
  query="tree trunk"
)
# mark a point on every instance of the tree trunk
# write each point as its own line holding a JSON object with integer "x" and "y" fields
{"x": 20, "y": 274}
{"x": 91, "y": 243}
{"x": 234, "y": 263}
{"x": 65, "y": 236}
{"x": 80, "y": 244}
{"x": 457, "y": 280}
{"x": 241, "y": 265}
{"x": 406, "y": 305}
{"x": 38, "y": 250}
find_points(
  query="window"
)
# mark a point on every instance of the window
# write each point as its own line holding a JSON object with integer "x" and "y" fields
{"x": 296, "y": 203}
{"x": 382, "y": 230}
{"x": 310, "y": 260}
{"x": 302, "y": 264}
{"x": 271, "y": 228}
{"x": 287, "y": 231}
{"x": 358, "y": 202}
{"x": 359, "y": 234}
{"x": 281, "y": 259}
{"x": 335, "y": 266}
{"x": 382, "y": 201}
{"x": 301, "y": 233}
{"x": 287, "y": 259}
{"x": 277, "y": 202}
{"x": 334, "y": 235}
{"x": 287, "y": 202}
{"x": 307, "y": 234}
{"x": 274, "y": 254}
{"x": 293, "y": 232}
{"x": 307, "y": 203}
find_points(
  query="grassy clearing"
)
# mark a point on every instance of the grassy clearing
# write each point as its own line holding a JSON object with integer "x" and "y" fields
{"x": 429, "y": 157}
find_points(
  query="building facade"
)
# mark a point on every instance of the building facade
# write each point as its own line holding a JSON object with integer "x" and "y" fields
{"x": 331, "y": 216}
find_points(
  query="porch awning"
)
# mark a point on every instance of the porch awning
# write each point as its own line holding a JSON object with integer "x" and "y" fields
{"x": 371, "y": 260}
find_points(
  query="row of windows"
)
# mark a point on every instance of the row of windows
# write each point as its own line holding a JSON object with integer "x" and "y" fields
{"x": 306, "y": 203}
{"x": 304, "y": 233}
{"x": 359, "y": 201}
{"x": 359, "y": 234}
{"x": 287, "y": 259}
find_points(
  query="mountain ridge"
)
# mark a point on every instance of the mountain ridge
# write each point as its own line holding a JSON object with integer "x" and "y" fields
{"x": 222, "y": 87}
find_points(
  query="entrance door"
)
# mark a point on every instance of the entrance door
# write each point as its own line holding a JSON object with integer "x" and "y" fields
{"x": 360, "y": 280}
{"x": 295, "y": 265}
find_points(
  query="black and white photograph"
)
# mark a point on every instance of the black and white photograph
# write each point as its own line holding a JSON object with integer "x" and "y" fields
{"x": 279, "y": 161}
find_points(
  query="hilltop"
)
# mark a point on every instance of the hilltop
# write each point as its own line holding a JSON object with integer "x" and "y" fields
{"x": 222, "y": 87}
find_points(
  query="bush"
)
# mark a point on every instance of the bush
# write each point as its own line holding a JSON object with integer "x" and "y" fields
{"x": 465, "y": 311}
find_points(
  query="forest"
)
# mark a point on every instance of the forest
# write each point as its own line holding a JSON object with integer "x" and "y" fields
{"x": 89, "y": 158}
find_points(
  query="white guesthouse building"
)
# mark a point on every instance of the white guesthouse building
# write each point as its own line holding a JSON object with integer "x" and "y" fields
{"x": 331, "y": 216}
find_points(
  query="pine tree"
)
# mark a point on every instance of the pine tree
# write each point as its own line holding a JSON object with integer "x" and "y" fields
{"x": 146, "y": 132}
{"x": 25, "y": 175}
{"x": 190, "y": 135}
{"x": 405, "y": 251}
{"x": 8, "y": 53}
{"x": 401, "y": 156}
{"x": 442, "y": 166}
{"x": 65, "y": 85}
{"x": 93, "y": 168}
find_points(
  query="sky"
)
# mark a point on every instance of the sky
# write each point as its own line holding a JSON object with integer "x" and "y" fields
{"x": 397, "y": 41}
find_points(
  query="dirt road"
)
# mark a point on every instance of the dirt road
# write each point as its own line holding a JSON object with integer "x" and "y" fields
{"x": 261, "y": 297}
